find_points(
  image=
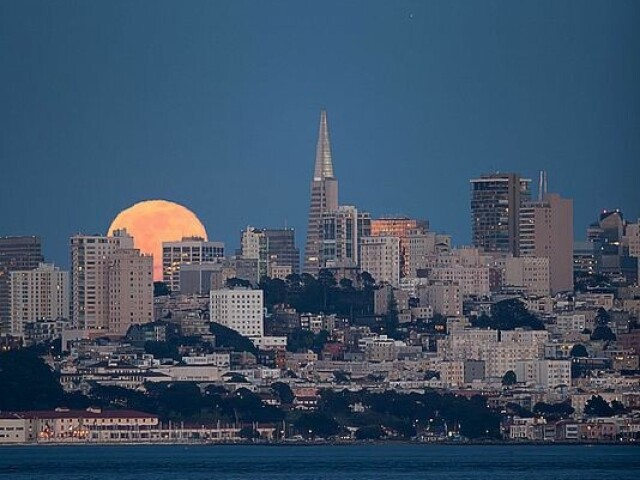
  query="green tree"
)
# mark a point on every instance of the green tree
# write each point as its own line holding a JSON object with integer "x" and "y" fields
{"x": 368, "y": 282}
{"x": 300, "y": 341}
{"x": 249, "y": 433}
{"x": 160, "y": 289}
{"x": 226, "y": 337}
{"x": 369, "y": 432}
{"x": 316, "y": 424}
{"x": 508, "y": 315}
{"x": 602, "y": 317}
{"x": 598, "y": 407}
{"x": 238, "y": 282}
{"x": 346, "y": 284}
{"x": 283, "y": 392}
{"x": 553, "y": 411}
{"x": 391, "y": 318}
{"x": 275, "y": 291}
{"x": 162, "y": 350}
{"x": 27, "y": 383}
{"x": 618, "y": 408}
{"x": 579, "y": 350}
{"x": 509, "y": 378}
{"x": 603, "y": 332}
{"x": 179, "y": 401}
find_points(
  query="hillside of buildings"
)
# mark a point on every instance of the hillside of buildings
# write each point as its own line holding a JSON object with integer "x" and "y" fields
{"x": 377, "y": 328}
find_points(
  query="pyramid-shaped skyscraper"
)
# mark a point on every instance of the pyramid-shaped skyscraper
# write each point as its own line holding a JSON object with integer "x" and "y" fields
{"x": 324, "y": 198}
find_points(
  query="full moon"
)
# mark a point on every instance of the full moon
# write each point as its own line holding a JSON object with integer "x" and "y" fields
{"x": 155, "y": 221}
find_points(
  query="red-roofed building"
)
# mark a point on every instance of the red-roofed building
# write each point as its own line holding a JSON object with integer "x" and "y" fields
{"x": 75, "y": 425}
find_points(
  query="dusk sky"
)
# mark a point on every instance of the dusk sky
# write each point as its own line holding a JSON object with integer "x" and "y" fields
{"x": 215, "y": 105}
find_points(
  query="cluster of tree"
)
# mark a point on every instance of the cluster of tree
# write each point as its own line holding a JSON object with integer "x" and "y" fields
{"x": 509, "y": 378}
{"x": 160, "y": 289}
{"x": 323, "y": 294}
{"x": 224, "y": 338}
{"x": 603, "y": 332}
{"x": 404, "y": 416}
{"x": 508, "y": 315}
{"x": 553, "y": 411}
{"x": 303, "y": 340}
{"x": 229, "y": 338}
{"x": 598, "y": 407}
{"x": 27, "y": 382}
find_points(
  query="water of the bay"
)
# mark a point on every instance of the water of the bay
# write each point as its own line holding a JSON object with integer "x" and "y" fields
{"x": 354, "y": 462}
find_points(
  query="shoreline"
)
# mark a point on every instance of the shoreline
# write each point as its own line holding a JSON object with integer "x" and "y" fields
{"x": 355, "y": 443}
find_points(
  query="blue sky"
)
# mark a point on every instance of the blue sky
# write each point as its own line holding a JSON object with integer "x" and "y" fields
{"x": 215, "y": 105}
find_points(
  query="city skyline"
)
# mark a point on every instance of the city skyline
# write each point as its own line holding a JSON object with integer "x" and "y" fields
{"x": 436, "y": 89}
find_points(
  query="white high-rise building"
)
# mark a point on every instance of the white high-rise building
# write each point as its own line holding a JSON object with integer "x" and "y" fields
{"x": 190, "y": 250}
{"x": 40, "y": 294}
{"x": 239, "y": 309}
{"x": 380, "y": 256}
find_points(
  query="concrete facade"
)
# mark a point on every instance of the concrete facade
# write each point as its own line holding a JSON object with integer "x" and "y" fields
{"x": 38, "y": 294}
{"x": 546, "y": 230}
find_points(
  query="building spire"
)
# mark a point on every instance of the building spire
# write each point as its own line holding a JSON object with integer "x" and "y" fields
{"x": 324, "y": 164}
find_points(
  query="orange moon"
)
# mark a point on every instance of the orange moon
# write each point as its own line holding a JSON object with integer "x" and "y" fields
{"x": 155, "y": 221}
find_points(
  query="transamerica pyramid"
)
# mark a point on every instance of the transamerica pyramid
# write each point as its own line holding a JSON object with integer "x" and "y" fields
{"x": 324, "y": 198}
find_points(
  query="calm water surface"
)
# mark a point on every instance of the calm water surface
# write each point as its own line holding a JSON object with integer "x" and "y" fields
{"x": 355, "y": 462}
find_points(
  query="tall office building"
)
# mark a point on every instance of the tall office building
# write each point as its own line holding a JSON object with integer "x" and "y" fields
{"x": 612, "y": 246}
{"x": 281, "y": 249}
{"x": 495, "y": 211}
{"x": 342, "y": 231}
{"x": 38, "y": 294}
{"x": 546, "y": 230}
{"x": 400, "y": 227}
{"x": 273, "y": 248}
{"x": 324, "y": 198}
{"x": 16, "y": 254}
{"x": 190, "y": 250}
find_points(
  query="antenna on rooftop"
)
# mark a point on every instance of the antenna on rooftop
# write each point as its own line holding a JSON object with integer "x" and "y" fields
{"x": 542, "y": 185}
